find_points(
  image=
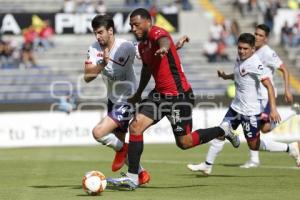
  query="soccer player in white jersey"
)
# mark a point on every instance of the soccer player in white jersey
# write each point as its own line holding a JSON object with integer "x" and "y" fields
{"x": 251, "y": 124}
{"x": 272, "y": 63}
{"x": 113, "y": 58}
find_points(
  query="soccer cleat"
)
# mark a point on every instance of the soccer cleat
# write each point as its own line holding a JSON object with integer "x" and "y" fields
{"x": 296, "y": 108}
{"x": 120, "y": 158}
{"x": 124, "y": 181}
{"x": 144, "y": 177}
{"x": 202, "y": 167}
{"x": 231, "y": 136}
{"x": 249, "y": 164}
{"x": 294, "y": 152}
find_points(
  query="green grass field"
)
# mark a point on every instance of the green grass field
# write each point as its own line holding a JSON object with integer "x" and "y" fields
{"x": 55, "y": 174}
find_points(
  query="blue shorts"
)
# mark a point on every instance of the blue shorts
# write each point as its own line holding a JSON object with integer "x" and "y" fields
{"x": 251, "y": 124}
{"x": 121, "y": 113}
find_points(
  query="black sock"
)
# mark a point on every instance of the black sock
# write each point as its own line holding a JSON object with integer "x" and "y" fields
{"x": 135, "y": 150}
{"x": 208, "y": 134}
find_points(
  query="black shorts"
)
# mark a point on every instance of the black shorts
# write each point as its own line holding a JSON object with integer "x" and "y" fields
{"x": 178, "y": 110}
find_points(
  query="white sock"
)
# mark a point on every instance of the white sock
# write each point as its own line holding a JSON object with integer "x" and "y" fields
{"x": 214, "y": 149}
{"x": 134, "y": 177}
{"x": 269, "y": 145}
{"x": 111, "y": 141}
{"x": 283, "y": 119}
{"x": 254, "y": 156}
{"x": 140, "y": 166}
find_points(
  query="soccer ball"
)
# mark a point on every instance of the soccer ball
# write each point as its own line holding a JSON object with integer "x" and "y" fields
{"x": 94, "y": 183}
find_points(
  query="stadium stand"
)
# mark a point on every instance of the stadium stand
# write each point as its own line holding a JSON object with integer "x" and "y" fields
{"x": 61, "y": 67}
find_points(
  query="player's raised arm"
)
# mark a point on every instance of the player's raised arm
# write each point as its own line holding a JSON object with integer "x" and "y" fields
{"x": 164, "y": 46}
{"x": 91, "y": 70}
{"x": 287, "y": 93}
{"x": 274, "y": 115}
{"x": 225, "y": 76}
{"x": 180, "y": 43}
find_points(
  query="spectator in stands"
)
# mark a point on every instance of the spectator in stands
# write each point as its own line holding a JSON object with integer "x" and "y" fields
{"x": 235, "y": 29}
{"x": 296, "y": 35}
{"x": 210, "y": 50}
{"x": 101, "y": 7}
{"x": 69, "y": 6}
{"x": 45, "y": 36}
{"x": 215, "y": 30}
{"x": 242, "y": 6}
{"x": 27, "y": 54}
{"x": 270, "y": 12}
{"x": 226, "y": 35}
{"x": 9, "y": 54}
{"x": 67, "y": 103}
{"x": 286, "y": 35}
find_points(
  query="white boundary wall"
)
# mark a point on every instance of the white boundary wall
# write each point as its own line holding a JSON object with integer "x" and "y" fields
{"x": 26, "y": 129}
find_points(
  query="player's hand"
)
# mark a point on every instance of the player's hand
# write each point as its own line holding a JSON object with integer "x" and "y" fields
{"x": 274, "y": 116}
{"x": 181, "y": 41}
{"x": 221, "y": 74}
{"x": 288, "y": 97}
{"x": 161, "y": 52}
{"x": 136, "y": 98}
{"x": 105, "y": 56}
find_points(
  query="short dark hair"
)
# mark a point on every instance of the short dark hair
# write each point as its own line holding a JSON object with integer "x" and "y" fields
{"x": 247, "y": 38}
{"x": 103, "y": 20}
{"x": 265, "y": 28}
{"x": 142, "y": 12}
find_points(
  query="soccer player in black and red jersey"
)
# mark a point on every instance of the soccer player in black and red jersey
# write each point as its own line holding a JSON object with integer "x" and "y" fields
{"x": 172, "y": 96}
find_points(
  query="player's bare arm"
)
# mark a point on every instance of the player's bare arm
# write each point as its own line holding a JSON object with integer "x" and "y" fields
{"x": 91, "y": 71}
{"x": 225, "y": 76}
{"x": 180, "y": 43}
{"x": 164, "y": 45}
{"x": 287, "y": 93}
{"x": 144, "y": 80}
{"x": 274, "y": 115}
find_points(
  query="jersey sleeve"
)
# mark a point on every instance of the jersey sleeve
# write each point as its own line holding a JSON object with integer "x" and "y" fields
{"x": 273, "y": 60}
{"x": 257, "y": 70}
{"x": 91, "y": 56}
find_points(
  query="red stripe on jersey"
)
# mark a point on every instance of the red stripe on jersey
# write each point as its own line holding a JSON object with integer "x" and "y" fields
{"x": 166, "y": 71}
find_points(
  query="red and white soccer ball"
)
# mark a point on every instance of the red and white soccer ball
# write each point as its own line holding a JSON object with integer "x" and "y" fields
{"x": 94, "y": 182}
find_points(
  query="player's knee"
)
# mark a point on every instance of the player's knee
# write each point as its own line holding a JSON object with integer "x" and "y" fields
{"x": 134, "y": 128}
{"x": 184, "y": 143}
{"x": 96, "y": 133}
{"x": 265, "y": 129}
